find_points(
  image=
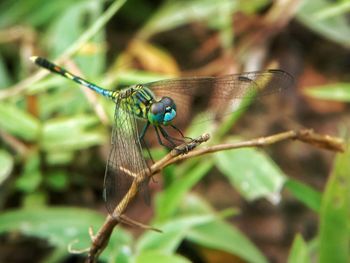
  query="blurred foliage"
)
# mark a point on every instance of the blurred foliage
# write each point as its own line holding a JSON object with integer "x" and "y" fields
{"x": 324, "y": 16}
{"x": 334, "y": 214}
{"x": 6, "y": 164}
{"x": 310, "y": 197}
{"x": 51, "y": 131}
{"x": 336, "y": 91}
{"x": 61, "y": 227}
{"x": 299, "y": 251}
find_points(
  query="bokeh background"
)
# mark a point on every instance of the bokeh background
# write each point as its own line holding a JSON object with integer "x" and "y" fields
{"x": 288, "y": 202}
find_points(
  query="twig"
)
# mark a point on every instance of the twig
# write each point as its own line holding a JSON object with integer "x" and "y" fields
{"x": 128, "y": 221}
{"x": 186, "y": 151}
{"x": 17, "y": 145}
{"x": 306, "y": 135}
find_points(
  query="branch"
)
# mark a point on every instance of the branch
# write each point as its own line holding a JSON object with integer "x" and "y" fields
{"x": 306, "y": 135}
{"x": 186, "y": 151}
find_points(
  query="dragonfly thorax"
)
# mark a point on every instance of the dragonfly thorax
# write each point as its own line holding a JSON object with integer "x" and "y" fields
{"x": 162, "y": 112}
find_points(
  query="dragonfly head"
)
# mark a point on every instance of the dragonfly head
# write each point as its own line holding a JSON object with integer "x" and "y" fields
{"x": 162, "y": 112}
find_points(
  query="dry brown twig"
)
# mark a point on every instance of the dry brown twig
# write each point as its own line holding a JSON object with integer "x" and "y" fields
{"x": 186, "y": 151}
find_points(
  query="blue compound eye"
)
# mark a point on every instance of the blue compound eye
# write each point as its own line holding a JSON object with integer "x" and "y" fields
{"x": 157, "y": 108}
{"x": 170, "y": 110}
{"x": 162, "y": 112}
{"x": 168, "y": 102}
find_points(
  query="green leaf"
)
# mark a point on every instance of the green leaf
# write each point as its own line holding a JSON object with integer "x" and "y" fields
{"x": 33, "y": 12}
{"x": 6, "y": 164}
{"x": 123, "y": 255}
{"x": 58, "y": 37}
{"x": 337, "y": 92}
{"x": 57, "y": 180}
{"x": 43, "y": 13}
{"x": 195, "y": 204}
{"x": 44, "y": 85}
{"x": 252, "y": 6}
{"x": 61, "y": 226}
{"x": 177, "y": 13}
{"x": 174, "y": 232}
{"x": 36, "y": 199}
{"x": 335, "y": 28}
{"x": 18, "y": 122}
{"x": 252, "y": 173}
{"x": 218, "y": 234}
{"x": 92, "y": 57}
{"x": 299, "y": 252}
{"x": 157, "y": 256}
{"x": 31, "y": 176}
{"x": 223, "y": 236}
{"x": 59, "y": 157}
{"x": 66, "y": 100}
{"x": 305, "y": 194}
{"x": 343, "y": 7}
{"x": 59, "y": 127}
{"x": 4, "y": 75}
{"x": 335, "y": 213}
{"x": 71, "y": 134}
{"x": 168, "y": 201}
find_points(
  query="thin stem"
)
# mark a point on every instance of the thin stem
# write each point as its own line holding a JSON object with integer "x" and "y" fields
{"x": 307, "y": 136}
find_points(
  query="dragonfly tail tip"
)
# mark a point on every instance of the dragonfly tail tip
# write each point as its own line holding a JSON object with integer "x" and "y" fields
{"x": 33, "y": 58}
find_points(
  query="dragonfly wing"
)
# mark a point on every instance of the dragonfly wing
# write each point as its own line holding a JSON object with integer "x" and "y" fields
{"x": 227, "y": 91}
{"x": 125, "y": 161}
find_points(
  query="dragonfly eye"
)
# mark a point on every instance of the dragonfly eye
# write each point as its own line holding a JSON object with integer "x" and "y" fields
{"x": 168, "y": 102}
{"x": 157, "y": 108}
{"x": 170, "y": 110}
{"x": 162, "y": 112}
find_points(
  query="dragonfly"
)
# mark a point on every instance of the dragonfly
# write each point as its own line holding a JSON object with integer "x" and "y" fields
{"x": 158, "y": 104}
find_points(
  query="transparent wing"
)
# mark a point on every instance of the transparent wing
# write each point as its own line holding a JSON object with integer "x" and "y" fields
{"x": 222, "y": 94}
{"x": 125, "y": 161}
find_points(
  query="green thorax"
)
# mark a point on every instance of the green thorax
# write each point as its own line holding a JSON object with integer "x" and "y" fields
{"x": 136, "y": 99}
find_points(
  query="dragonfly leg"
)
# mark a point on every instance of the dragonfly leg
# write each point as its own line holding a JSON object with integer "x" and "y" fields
{"x": 128, "y": 221}
{"x": 143, "y": 132}
{"x": 168, "y": 137}
{"x": 160, "y": 140}
{"x": 143, "y": 142}
{"x": 180, "y": 132}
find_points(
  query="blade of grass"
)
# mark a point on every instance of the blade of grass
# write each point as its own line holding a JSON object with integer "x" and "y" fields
{"x": 335, "y": 214}
{"x": 98, "y": 25}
